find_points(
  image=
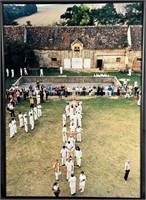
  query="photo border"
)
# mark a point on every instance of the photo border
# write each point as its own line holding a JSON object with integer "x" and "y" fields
{"x": 2, "y": 95}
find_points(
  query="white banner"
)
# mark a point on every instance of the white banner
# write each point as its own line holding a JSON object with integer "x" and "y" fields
{"x": 77, "y": 63}
{"x": 67, "y": 63}
{"x": 87, "y": 63}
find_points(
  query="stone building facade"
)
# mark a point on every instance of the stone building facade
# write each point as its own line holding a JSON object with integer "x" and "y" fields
{"x": 103, "y": 47}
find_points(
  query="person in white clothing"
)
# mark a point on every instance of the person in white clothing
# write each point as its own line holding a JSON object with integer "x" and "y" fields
{"x": 67, "y": 110}
{"x": 63, "y": 153}
{"x": 61, "y": 70}
{"x": 64, "y": 133}
{"x": 41, "y": 72}
{"x": 21, "y": 73}
{"x": 12, "y": 133}
{"x": 69, "y": 168}
{"x": 31, "y": 121}
{"x": 79, "y": 133}
{"x": 71, "y": 111}
{"x": 30, "y": 113}
{"x": 79, "y": 119}
{"x": 71, "y": 139}
{"x": 25, "y": 122}
{"x": 64, "y": 119}
{"x": 7, "y": 72}
{"x": 25, "y": 71}
{"x": 74, "y": 117}
{"x": 78, "y": 156}
{"x": 14, "y": 125}
{"x": 70, "y": 148}
{"x": 39, "y": 110}
{"x": 72, "y": 184}
{"x": 38, "y": 97}
{"x": 82, "y": 181}
{"x": 127, "y": 170}
{"x": 129, "y": 72}
{"x": 20, "y": 116}
{"x": 12, "y": 73}
{"x": 35, "y": 111}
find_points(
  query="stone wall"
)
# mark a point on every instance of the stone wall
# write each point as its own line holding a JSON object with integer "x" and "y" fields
{"x": 65, "y": 80}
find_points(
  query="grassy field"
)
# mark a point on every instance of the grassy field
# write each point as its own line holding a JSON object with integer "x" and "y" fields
{"x": 111, "y": 136}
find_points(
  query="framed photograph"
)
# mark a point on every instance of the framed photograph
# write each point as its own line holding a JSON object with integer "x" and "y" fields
{"x": 73, "y": 99}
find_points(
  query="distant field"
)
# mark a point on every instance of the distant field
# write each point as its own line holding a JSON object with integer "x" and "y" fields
{"x": 47, "y": 15}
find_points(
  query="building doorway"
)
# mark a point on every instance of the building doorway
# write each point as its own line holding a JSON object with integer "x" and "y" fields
{"x": 99, "y": 64}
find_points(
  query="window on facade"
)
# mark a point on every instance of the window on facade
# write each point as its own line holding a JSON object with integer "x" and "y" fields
{"x": 76, "y": 48}
{"x": 118, "y": 59}
{"x": 54, "y": 59}
{"x": 139, "y": 59}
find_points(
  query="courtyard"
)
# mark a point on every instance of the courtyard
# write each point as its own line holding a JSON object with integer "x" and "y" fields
{"x": 111, "y": 135}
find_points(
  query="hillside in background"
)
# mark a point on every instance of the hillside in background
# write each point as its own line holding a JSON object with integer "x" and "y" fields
{"x": 49, "y": 14}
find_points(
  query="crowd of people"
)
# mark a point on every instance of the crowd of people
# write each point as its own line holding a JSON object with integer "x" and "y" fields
{"x": 27, "y": 119}
{"x": 71, "y": 153}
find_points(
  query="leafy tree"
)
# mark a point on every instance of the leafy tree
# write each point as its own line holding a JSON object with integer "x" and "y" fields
{"x": 77, "y": 16}
{"x": 133, "y": 15}
{"x": 107, "y": 15}
{"x": 18, "y": 54}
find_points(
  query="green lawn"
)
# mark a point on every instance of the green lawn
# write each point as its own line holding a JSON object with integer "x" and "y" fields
{"x": 111, "y": 136}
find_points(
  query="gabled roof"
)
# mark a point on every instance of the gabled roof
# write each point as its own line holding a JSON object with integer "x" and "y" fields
{"x": 100, "y": 37}
{"x": 61, "y": 38}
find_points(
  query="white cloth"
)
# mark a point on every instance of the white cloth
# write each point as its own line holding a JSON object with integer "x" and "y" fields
{"x": 12, "y": 73}
{"x": 127, "y": 166}
{"x": 25, "y": 123}
{"x": 14, "y": 126}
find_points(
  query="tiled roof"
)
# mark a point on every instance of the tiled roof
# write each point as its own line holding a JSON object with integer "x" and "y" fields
{"x": 136, "y": 37}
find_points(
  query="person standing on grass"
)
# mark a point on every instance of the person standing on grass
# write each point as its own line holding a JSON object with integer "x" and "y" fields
{"x": 64, "y": 133}
{"x": 25, "y": 122}
{"x": 72, "y": 184}
{"x": 61, "y": 70}
{"x": 31, "y": 121}
{"x": 14, "y": 125}
{"x": 63, "y": 153}
{"x": 41, "y": 72}
{"x": 56, "y": 168}
{"x": 31, "y": 101}
{"x": 78, "y": 156}
{"x": 69, "y": 168}
{"x": 82, "y": 181}
{"x": 21, "y": 72}
{"x": 20, "y": 116}
{"x": 56, "y": 189}
{"x": 11, "y": 129}
{"x": 12, "y": 73}
{"x": 64, "y": 119}
{"x": 127, "y": 169}
{"x": 35, "y": 110}
{"x": 7, "y": 72}
{"x": 39, "y": 107}
{"x": 25, "y": 71}
{"x": 79, "y": 132}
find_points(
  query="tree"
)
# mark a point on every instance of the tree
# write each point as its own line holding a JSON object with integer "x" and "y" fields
{"x": 77, "y": 16}
{"x": 18, "y": 54}
{"x": 12, "y": 12}
{"x": 133, "y": 15}
{"x": 107, "y": 15}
